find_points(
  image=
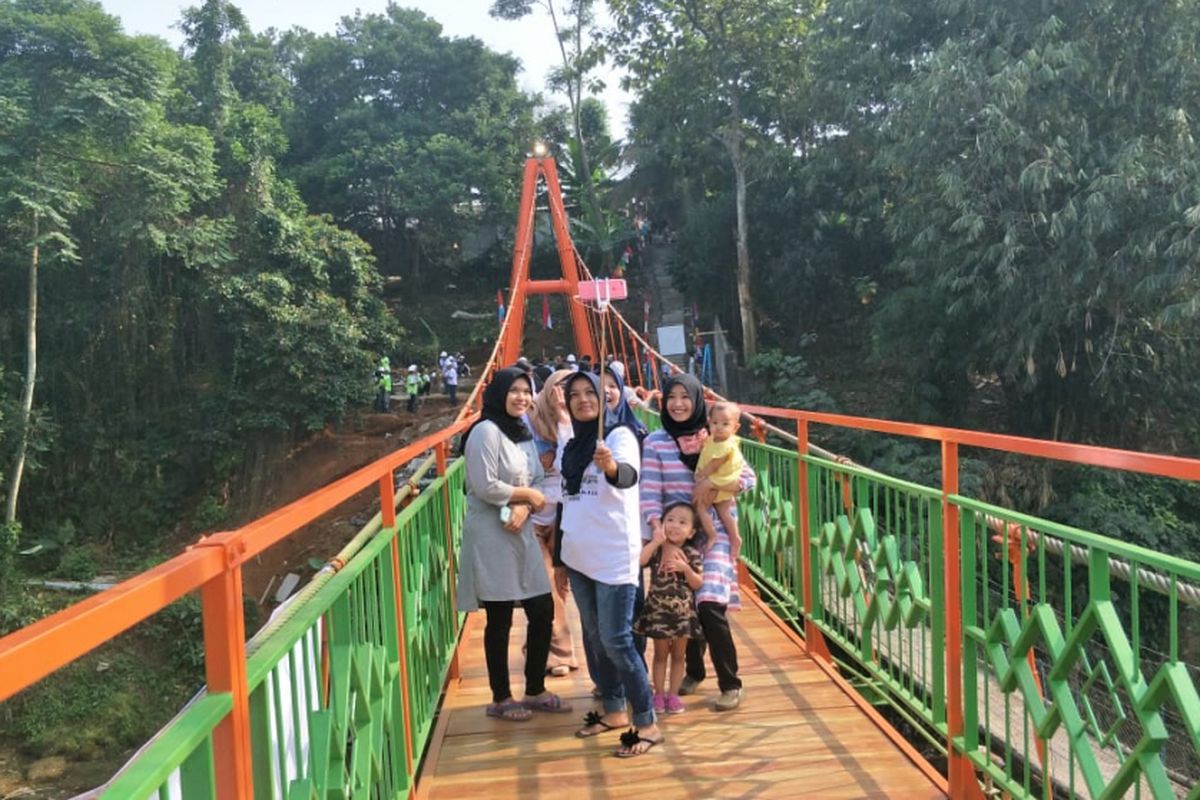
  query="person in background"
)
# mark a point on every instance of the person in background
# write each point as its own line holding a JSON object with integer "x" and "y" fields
{"x": 571, "y": 364}
{"x": 525, "y": 366}
{"x": 631, "y": 395}
{"x": 585, "y": 363}
{"x": 412, "y": 385}
{"x": 541, "y": 370}
{"x": 383, "y": 385}
{"x": 440, "y": 371}
{"x": 500, "y": 563}
{"x": 450, "y": 378}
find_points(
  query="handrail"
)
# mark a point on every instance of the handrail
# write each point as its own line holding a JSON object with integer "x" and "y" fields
{"x": 1090, "y": 455}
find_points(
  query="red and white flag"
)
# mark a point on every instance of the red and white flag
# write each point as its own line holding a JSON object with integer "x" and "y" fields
{"x": 547, "y": 320}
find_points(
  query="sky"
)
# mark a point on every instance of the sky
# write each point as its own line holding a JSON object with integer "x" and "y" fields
{"x": 530, "y": 39}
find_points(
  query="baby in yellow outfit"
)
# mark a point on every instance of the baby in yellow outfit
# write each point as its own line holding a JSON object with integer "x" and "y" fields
{"x": 721, "y": 463}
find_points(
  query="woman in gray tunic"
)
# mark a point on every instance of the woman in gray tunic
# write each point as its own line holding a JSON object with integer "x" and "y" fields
{"x": 500, "y": 563}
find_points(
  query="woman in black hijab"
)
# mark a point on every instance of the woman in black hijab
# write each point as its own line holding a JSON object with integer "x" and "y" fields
{"x": 688, "y": 429}
{"x": 601, "y": 543}
{"x": 500, "y": 561}
{"x": 669, "y": 462}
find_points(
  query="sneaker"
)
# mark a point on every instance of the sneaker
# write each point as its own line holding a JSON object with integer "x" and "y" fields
{"x": 674, "y": 705}
{"x": 688, "y": 686}
{"x": 729, "y": 700}
{"x": 660, "y": 703}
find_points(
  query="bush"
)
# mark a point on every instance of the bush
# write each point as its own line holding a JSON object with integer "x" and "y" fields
{"x": 77, "y": 564}
{"x": 786, "y": 381}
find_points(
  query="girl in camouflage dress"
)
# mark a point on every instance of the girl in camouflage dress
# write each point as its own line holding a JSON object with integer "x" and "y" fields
{"x": 669, "y": 616}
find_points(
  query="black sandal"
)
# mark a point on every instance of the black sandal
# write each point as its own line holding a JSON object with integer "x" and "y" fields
{"x": 593, "y": 719}
{"x": 631, "y": 739}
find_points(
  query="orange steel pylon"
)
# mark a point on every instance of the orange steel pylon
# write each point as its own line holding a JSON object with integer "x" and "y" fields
{"x": 520, "y": 285}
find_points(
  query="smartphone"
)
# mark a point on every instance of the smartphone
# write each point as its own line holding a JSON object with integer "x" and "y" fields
{"x": 505, "y": 514}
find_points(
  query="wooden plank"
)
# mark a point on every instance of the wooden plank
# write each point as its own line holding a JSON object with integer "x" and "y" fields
{"x": 796, "y": 734}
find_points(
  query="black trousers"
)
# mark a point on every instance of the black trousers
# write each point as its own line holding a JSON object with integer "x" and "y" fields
{"x": 718, "y": 639}
{"x": 452, "y": 390}
{"x": 540, "y": 613}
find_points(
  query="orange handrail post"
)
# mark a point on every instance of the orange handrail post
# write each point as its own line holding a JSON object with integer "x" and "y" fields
{"x": 402, "y": 636}
{"x": 962, "y": 774}
{"x": 387, "y": 500}
{"x": 225, "y": 669}
{"x": 813, "y": 639}
{"x": 442, "y": 455}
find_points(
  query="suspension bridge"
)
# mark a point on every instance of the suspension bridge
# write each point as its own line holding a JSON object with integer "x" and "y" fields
{"x": 899, "y": 639}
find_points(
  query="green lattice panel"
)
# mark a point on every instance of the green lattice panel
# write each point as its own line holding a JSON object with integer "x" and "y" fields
{"x": 767, "y": 520}
{"x": 356, "y": 748}
{"x": 1008, "y": 644}
{"x": 895, "y": 596}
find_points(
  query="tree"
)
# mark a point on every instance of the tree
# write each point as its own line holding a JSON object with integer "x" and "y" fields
{"x": 580, "y": 57}
{"x": 193, "y": 313}
{"x": 405, "y": 136}
{"x": 65, "y": 105}
{"x": 1042, "y": 180}
{"x": 727, "y": 70}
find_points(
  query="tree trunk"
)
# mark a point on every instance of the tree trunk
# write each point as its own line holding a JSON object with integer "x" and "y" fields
{"x": 14, "y": 486}
{"x": 733, "y": 142}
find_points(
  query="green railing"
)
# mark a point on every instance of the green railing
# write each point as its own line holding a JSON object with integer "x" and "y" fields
{"x": 343, "y": 694}
{"x": 1080, "y": 659}
{"x": 1106, "y": 705}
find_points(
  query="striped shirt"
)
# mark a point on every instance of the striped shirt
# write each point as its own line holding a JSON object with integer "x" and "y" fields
{"x": 664, "y": 480}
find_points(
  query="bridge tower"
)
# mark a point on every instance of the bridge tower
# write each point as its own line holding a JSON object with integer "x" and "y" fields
{"x": 538, "y": 168}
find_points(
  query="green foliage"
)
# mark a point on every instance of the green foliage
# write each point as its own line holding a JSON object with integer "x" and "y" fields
{"x": 210, "y": 513}
{"x": 405, "y": 136}
{"x": 181, "y": 627}
{"x": 786, "y": 381}
{"x": 1152, "y": 512}
{"x": 10, "y": 537}
{"x": 191, "y": 306}
{"x": 1040, "y": 171}
{"x": 19, "y": 606}
{"x": 77, "y": 564}
{"x": 113, "y": 698}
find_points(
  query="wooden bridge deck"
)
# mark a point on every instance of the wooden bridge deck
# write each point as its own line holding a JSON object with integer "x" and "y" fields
{"x": 797, "y": 734}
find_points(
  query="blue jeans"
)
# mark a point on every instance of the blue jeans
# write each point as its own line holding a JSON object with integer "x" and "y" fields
{"x": 606, "y": 613}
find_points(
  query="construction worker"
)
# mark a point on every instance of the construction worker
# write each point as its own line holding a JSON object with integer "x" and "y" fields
{"x": 383, "y": 385}
{"x": 450, "y": 378}
{"x": 412, "y": 385}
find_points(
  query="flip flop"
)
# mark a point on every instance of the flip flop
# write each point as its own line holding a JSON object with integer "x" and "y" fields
{"x": 631, "y": 739}
{"x": 547, "y": 702}
{"x": 593, "y": 719}
{"x": 509, "y": 711}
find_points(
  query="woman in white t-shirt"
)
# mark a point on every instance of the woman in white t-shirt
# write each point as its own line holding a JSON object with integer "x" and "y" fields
{"x": 551, "y": 431}
{"x": 601, "y": 542}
